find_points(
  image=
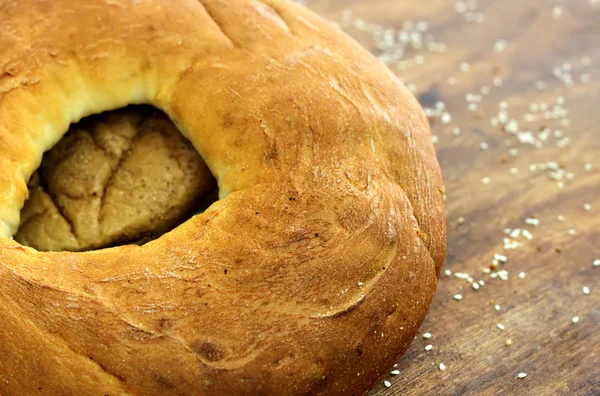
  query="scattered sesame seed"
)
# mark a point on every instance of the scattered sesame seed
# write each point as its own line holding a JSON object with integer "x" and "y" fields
{"x": 540, "y": 85}
{"x": 588, "y": 167}
{"x": 532, "y": 221}
{"x": 435, "y": 139}
{"x": 587, "y": 207}
{"x": 497, "y": 82}
{"x": 361, "y": 283}
{"x": 451, "y": 80}
{"x": 527, "y": 235}
{"x": 497, "y": 307}
{"x": 513, "y": 171}
{"x": 427, "y": 336}
{"x": 575, "y": 319}
{"x": 461, "y": 220}
{"x": 428, "y": 347}
{"x": 521, "y": 375}
{"x": 596, "y": 263}
{"x": 521, "y": 275}
{"x": 499, "y": 45}
{"x": 447, "y": 272}
{"x": 485, "y": 180}
{"x": 442, "y": 366}
{"x": 475, "y": 286}
{"x": 560, "y": 218}
{"x": 387, "y": 384}
{"x": 571, "y": 231}
{"x": 464, "y": 67}
{"x": 484, "y": 146}
{"x": 501, "y": 326}
{"x": 586, "y": 290}
{"x": 584, "y": 78}
{"x": 395, "y": 372}
{"x": 446, "y": 118}
{"x": 508, "y": 342}
{"x": 456, "y": 131}
{"x": 458, "y": 297}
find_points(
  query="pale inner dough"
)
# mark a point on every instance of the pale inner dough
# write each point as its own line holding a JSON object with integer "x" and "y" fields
{"x": 118, "y": 177}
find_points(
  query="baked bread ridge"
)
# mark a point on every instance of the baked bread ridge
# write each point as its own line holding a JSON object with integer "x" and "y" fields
{"x": 313, "y": 272}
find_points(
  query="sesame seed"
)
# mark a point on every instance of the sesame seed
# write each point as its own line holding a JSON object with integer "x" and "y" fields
{"x": 485, "y": 180}
{"x": 513, "y": 171}
{"x": 586, "y": 61}
{"x": 361, "y": 283}
{"x": 497, "y": 307}
{"x": 427, "y": 336}
{"x": 484, "y": 146}
{"x": 575, "y": 319}
{"x": 458, "y": 297}
{"x": 521, "y": 275}
{"x": 521, "y": 375}
{"x": 499, "y": 45}
{"x": 447, "y": 272}
{"x": 584, "y": 78}
{"x": 586, "y": 290}
{"x": 587, "y": 207}
{"x": 435, "y": 139}
{"x": 560, "y": 218}
{"x": 442, "y": 366}
{"x": 461, "y": 220}
{"x": 464, "y": 67}
{"x": 456, "y": 131}
{"x": 508, "y": 342}
{"x": 446, "y": 118}
{"x": 451, "y": 80}
{"x": 596, "y": 263}
{"x": 428, "y": 347}
{"x": 532, "y": 221}
{"x": 588, "y": 167}
{"x": 571, "y": 231}
{"x": 501, "y": 326}
{"x": 475, "y": 286}
{"x": 497, "y": 82}
{"x": 540, "y": 85}
{"x": 395, "y": 372}
{"x": 387, "y": 384}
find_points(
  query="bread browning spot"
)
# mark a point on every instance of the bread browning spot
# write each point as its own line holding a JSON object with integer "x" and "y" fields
{"x": 164, "y": 382}
{"x": 209, "y": 350}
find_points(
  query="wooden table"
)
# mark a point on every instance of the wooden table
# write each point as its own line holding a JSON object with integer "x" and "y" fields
{"x": 530, "y": 54}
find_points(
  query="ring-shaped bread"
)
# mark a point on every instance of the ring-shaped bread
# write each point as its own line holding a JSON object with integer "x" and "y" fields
{"x": 313, "y": 271}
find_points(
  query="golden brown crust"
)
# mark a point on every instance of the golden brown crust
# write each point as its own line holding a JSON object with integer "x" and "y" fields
{"x": 116, "y": 178}
{"x": 313, "y": 272}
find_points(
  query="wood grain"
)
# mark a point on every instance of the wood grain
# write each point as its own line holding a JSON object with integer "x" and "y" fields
{"x": 560, "y": 357}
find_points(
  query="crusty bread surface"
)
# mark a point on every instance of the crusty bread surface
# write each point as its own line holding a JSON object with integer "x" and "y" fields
{"x": 313, "y": 271}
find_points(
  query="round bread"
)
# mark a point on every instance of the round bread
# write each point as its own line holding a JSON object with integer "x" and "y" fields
{"x": 125, "y": 176}
{"x": 313, "y": 271}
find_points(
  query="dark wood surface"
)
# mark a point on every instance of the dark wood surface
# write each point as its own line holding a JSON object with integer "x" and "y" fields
{"x": 559, "y": 357}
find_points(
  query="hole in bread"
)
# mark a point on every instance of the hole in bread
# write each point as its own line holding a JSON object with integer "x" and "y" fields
{"x": 120, "y": 177}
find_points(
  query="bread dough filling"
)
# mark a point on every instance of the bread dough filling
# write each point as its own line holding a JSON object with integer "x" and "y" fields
{"x": 125, "y": 176}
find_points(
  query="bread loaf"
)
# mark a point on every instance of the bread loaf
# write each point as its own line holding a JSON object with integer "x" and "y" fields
{"x": 312, "y": 272}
